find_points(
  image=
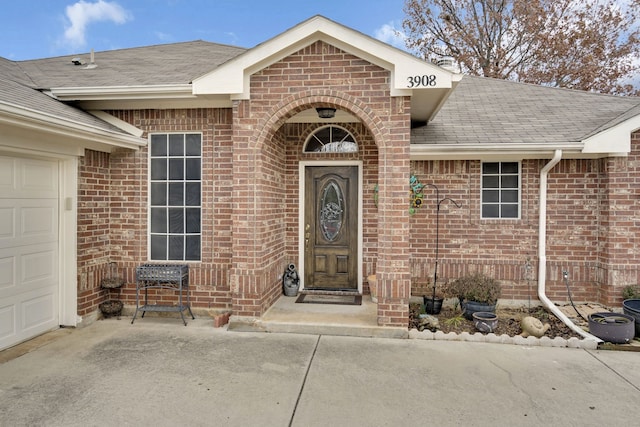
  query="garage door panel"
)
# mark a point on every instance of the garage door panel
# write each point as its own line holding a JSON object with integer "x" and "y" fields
{"x": 8, "y": 177}
{"x": 39, "y": 267}
{"x": 28, "y": 268}
{"x": 39, "y": 221}
{"x": 7, "y": 272}
{"x": 27, "y": 222}
{"x": 39, "y": 178}
{"x": 7, "y": 222}
{"x": 28, "y": 178}
{"x": 7, "y": 322}
{"x": 29, "y": 254}
{"x": 29, "y": 315}
{"x": 39, "y": 311}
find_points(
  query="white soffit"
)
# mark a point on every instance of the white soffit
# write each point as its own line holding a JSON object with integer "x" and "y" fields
{"x": 72, "y": 132}
{"x": 233, "y": 77}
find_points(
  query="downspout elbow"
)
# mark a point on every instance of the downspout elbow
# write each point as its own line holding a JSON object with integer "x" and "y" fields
{"x": 542, "y": 253}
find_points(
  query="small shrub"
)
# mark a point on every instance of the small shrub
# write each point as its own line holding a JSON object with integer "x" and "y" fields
{"x": 631, "y": 292}
{"x": 475, "y": 287}
{"x": 455, "y": 322}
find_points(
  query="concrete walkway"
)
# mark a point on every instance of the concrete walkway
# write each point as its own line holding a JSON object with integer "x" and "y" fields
{"x": 158, "y": 372}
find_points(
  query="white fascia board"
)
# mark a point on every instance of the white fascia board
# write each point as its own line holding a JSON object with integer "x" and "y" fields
{"x": 233, "y": 77}
{"x": 120, "y": 124}
{"x": 180, "y": 91}
{"x": 495, "y": 152}
{"x": 615, "y": 140}
{"x": 69, "y": 129}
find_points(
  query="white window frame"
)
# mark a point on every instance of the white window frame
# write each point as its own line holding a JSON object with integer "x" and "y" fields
{"x": 500, "y": 203}
{"x": 347, "y": 144}
{"x": 150, "y": 233}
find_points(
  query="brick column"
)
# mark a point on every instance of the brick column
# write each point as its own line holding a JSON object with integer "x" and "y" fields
{"x": 393, "y": 269}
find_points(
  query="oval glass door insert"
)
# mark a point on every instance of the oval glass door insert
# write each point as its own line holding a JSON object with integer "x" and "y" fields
{"x": 331, "y": 210}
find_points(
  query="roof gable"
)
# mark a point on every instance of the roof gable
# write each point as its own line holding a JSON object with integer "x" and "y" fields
{"x": 233, "y": 77}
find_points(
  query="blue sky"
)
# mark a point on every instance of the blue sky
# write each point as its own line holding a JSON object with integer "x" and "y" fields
{"x": 46, "y": 28}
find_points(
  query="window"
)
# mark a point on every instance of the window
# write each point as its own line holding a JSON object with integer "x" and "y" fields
{"x": 175, "y": 173}
{"x": 331, "y": 139}
{"x": 501, "y": 190}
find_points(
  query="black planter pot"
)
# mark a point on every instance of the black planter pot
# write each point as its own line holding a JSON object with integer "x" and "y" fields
{"x": 432, "y": 306}
{"x": 612, "y": 327}
{"x": 470, "y": 307}
{"x": 631, "y": 307}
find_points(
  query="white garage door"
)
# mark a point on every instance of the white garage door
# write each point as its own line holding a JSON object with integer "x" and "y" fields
{"x": 28, "y": 248}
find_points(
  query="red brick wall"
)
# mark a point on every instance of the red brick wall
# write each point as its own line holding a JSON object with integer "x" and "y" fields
{"x": 317, "y": 75}
{"x": 591, "y": 231}
{"x": 250, "y": 201}
{"x": 112, "y": 213}
{"x": 94, "y": 249}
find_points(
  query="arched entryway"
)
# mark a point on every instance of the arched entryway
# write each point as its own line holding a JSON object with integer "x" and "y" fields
{"x": 271, "y": 230}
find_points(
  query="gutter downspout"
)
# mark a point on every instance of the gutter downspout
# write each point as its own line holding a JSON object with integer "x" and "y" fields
{"x": 542, "y": 252}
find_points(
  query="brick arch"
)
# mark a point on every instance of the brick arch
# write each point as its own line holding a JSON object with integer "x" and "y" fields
{"x": 296, "y": 103}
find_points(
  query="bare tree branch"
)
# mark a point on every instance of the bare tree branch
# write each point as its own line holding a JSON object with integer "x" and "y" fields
{"x": 579, "y": 44}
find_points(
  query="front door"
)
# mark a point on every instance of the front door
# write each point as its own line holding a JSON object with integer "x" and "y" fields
{"x": 331, "y": 228}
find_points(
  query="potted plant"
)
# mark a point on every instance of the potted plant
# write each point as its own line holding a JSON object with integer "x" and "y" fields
{"x": 433, "y": 301}
{"x": 476, "y": 292}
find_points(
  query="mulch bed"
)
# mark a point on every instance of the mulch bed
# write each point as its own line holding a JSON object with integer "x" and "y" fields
{"x": 508, "y": 321}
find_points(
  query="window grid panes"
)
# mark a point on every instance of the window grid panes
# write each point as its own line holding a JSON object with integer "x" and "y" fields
{"x": 500, "y": 190}
{"x": 175, "y": 191}
{"x": 331, "y": 139}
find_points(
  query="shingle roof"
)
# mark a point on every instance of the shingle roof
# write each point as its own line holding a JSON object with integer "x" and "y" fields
{"x": 14, "y": 94}
{"x": 490, "y": 111}
{"x": 10, "y": 70}
{"x": 479, "y": 111}
{"x": 177, "y": 63}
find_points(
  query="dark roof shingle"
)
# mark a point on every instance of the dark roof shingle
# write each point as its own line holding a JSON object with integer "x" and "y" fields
{"x": 177, "y": 63}
{"x": 491, "y": 111}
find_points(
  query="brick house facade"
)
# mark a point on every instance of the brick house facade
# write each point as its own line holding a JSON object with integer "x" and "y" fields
{"x": 251, "y": 114}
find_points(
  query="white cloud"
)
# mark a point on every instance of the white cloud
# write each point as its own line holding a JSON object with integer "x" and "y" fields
{"x": 389, "y": 34}
{"x": 163, "y": 36}
{"x": 82, "y": 13}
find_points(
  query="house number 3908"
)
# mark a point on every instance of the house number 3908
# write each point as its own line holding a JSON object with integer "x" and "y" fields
{"x": 421, "y": 81}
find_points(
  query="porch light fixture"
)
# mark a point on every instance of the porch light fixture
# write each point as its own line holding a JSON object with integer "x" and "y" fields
{"x": 326, "y": 113}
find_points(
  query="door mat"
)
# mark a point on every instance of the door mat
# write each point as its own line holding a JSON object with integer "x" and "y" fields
{"x": 330, "y": 299}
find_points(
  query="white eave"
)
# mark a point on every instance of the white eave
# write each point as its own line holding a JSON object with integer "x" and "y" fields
{"x": 122, "y": 92}
{"x": 75, "y": 133}
{"x": 493, "y": 152}
{"x": 233, "y": 77}
{"x": 138, "y": 97}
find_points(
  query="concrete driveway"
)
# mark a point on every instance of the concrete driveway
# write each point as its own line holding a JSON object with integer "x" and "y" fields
{"x": 158, "y": 372}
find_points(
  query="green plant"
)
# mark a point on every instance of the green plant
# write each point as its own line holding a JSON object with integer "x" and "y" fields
{"x": 455, "y": 321}
{"x": 631, "y": 292}
{"x": 474, "y": 287}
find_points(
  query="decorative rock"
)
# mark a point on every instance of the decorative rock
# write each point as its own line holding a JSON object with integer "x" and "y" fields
{"x": 428, "y": 321}
{"x": 532, "y": 326}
